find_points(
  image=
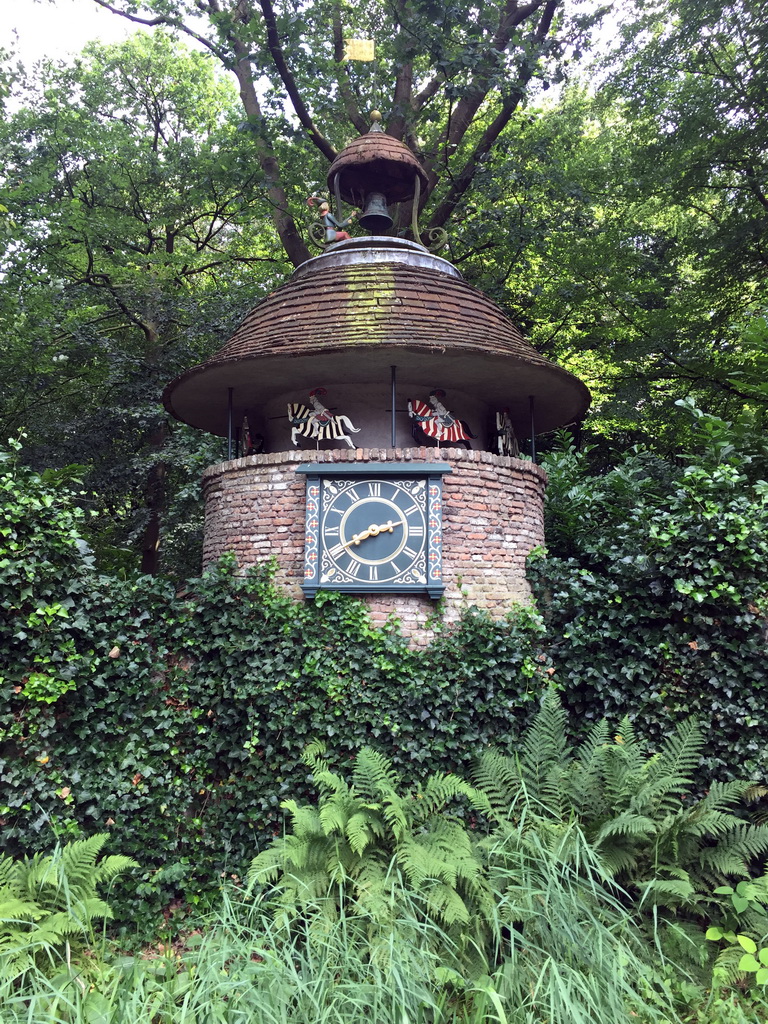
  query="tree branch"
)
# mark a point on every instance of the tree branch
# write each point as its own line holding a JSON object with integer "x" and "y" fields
{"x": 276, "y": 50}
{"x": 511, "y": 17}
{"x": 342, "y": 75}
{"x": 463, "y": 180}
{"x": 165, "y": 19}
{"x": 754, "y": 188}
{"x": 426, "y": 94}
{"x": 401, "y": 102}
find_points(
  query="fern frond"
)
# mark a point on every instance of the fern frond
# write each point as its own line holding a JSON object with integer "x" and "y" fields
{"x": 733, "y": 852}
{"x": 395, "y": 815}
{"x": 266, "y": 866}
{"x": 304, "y": 820}
{"x": 625, "y": 824}
{"x": 713, "y": 823}
{"x": 498, "y": 776}
{"x": 667, "y": 892}
{"x": 723, "y": 795}
{"x": 8, "y": 874}
{"x": 440, "y": 789}
{"x": 591, "y": 750}
{"x": 38, "y": 875}
{"x": 78, "y": 917}
{"x": 545, "y": 744}
{"x": 373, "y": 776}
{"x": 17, "y": 911}
{"x": 681, "y": 752}
{"x": 358, "y": 832}
{"x": 334, "y": 813}
{"x": 661, "y": 794}
{"x": 78, "y": 861}
{"x": 726, "y": 967}
{"x": 446, "y": 904}
{"x": 586, "y": 788}
{"x": 620, "y": 858}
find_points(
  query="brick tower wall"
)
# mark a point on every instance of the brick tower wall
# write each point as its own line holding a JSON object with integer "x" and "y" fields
{"x": 493, "y": 509}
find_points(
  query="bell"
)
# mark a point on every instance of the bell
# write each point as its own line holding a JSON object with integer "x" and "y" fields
{"x": 375, "y": 217}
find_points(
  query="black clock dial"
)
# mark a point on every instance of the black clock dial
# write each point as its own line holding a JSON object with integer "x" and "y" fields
{"x": 373, "y": 531}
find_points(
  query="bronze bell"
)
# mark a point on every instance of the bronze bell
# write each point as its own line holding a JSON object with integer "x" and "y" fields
{"x": 375, "y": 217}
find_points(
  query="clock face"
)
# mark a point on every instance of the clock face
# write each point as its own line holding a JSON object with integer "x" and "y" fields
{"x": 374, "y": 531}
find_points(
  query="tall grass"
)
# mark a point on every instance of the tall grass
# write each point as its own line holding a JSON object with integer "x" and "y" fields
{"x": 570, "y": 954}
{"x": 563, "y": 952}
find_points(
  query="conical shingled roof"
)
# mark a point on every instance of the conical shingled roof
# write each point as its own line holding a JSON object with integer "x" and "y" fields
{"x": 361, "y": 307}
{"x": 376, "y": 163}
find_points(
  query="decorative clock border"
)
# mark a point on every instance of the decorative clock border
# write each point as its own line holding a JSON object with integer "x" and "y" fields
{"x": 432, "y": 472}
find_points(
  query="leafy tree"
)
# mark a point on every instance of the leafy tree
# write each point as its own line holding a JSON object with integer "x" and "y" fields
{"x": 136, "y": 231}
{"x": 668, "y": 266}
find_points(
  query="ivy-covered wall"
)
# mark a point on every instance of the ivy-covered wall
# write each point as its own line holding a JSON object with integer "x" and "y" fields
{"x": 177, "y": 719}
{"x": 189, "y": 714}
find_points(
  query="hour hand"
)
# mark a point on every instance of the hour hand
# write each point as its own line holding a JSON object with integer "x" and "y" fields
{"x": 373, "y": 531}
{"x": 388, "y": 527}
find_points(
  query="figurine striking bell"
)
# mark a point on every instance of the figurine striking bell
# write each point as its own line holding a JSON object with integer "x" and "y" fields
{"x": 375, "y": 217}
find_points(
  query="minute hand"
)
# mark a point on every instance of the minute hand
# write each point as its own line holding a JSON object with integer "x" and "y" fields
{"x": 374, "y": 531}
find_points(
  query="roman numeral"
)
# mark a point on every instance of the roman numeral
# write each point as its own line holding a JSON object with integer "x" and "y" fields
{"x": 332, "y": 531}
{"x": 352, "y": 493}
{"x": 410, "y": 511}
{"x": 339, "y": 549}
{"x": 373, "y": 573}
{"x": 415, "y": 531}
{"x": 410, "y": 552}
{"x": 354, "y": 569}
{"x": 374, "y": 489}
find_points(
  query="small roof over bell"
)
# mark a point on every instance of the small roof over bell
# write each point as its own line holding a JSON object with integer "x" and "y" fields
{"x": 376, "y": 163}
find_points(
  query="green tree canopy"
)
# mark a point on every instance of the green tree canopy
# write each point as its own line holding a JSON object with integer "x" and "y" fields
{"x": 137, "y": 219}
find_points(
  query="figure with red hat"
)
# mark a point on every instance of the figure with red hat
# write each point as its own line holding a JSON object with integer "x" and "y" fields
{"x": 334, "y": 229}
{"x": 437, "y": 422}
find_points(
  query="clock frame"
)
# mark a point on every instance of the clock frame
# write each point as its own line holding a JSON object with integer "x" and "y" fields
{"x": 374, "y": 528}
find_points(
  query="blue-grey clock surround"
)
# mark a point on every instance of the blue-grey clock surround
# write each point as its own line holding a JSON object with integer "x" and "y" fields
{"x": 321, "y": 492}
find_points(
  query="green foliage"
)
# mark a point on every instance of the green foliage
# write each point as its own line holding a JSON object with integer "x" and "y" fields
{"x": 47, "y": 902}
{"x": 179, "y": 719}
{"x": 654, "y": 592}
{"x": 136, "y": 227}
{"x": 366, "y": 839}
{"x": 638, "y": 810}
{"x": 247, "y": 964}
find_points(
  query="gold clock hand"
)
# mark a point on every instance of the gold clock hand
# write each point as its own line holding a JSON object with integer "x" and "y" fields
{"x": 373, "y": 531}
{"x": 388, "y": 527}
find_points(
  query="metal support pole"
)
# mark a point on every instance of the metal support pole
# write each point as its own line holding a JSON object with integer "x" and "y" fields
{"x": 337, "y": 195}
{"x": 533, "y": 429}
{"x": 229, "y": 422}
{"x": 393, "y": 370}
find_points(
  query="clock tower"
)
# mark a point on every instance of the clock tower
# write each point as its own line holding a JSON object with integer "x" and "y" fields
{"x": 373, "y": 406}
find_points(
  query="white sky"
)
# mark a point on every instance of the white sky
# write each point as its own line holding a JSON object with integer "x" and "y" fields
{"x": 58, "y": 29}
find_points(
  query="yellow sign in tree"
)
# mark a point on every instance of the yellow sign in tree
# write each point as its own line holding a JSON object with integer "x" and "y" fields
{"x": 359, "y": 49}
